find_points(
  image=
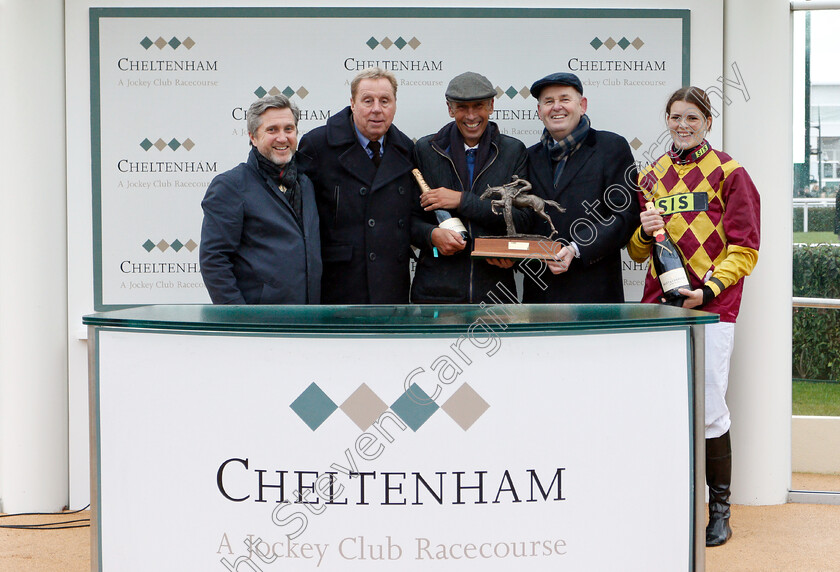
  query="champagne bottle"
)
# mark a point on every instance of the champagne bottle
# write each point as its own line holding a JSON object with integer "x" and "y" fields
{"x": 444, "y": 217}
{"x": 669, "y": 266}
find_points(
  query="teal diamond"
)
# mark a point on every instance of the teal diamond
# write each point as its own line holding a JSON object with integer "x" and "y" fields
{"x": 596, "y": 43}
{"x": 414, "y": 407}
{"x": 146, "y": 144}
{"x": 260, "y": 92}
{"x": 146, "y": 42}
{"x": 313, "y": 406}
{"x": 511, "y": 92}
{"x": 288, "y": 92}
{"x": 174, "y": 42}
{"x": 148, "y": 245}
{"x": 174, "y": 144}
{"x": 372, "y": 42}
{"x": 400, "y": 43}
{"x": 624, "y": 42}
{"x": 176, "y": 245}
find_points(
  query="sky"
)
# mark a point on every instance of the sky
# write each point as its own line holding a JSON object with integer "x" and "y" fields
{"x": 825, "y": 46}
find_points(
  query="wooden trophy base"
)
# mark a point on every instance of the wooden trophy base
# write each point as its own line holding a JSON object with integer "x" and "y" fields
{"x": 523, "y": 246}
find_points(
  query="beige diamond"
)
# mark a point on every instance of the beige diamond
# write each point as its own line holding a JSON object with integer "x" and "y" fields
{"x": 162, "y": 245}
{"x": 635, "y": 144}
{"x": 465, "y": 406}
{"x": 363, "y": 407}
{"x": 274, "y": 91}
{"x": 610, "y": 43}
{"x": 499, "y": 92}
{"x": 191, "y": 245}
{"x": 414, "y": 43}
{"x": 160, "y": 43}
{"x": 188, "y": 144}
{"x": 386, "y": 43}
{"x": 302, "y": 92}
{"x": 188, "y": 43}
{"x": 525, "y": 92}
{"x": 160, "y": 144}
{"x": 637, "y": 43}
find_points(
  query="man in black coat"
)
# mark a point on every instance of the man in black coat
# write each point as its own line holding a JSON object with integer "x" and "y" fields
{"x": 259, "y": 239}
{"x": 360, "y": 164}
{"x": 459, "y": 162}
{"x": 593, "y": 176}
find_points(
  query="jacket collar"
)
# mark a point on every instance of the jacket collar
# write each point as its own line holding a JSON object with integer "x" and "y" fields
{"x": 574, "y": 163}
{"x": 341, "y": 132}
{"x": 341, "y": 135}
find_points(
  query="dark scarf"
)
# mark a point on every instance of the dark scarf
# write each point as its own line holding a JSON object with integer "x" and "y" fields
{"x": 455, "y": 147}
{"x": 285, "y": 175}
{"x": 560, "y": 151}
{"x": 683, "y": 156}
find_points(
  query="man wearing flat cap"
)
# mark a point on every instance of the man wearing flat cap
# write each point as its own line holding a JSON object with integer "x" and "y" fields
{"x": 592, "y": 175}
{"x": 459, "y": 162}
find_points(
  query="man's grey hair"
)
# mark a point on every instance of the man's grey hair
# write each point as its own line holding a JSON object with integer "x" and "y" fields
{"x": 263, "y": 104}
{"x": 372, "y": 73}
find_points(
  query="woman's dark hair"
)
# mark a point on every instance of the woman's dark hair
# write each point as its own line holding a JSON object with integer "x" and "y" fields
{"x": 693, "y": 95}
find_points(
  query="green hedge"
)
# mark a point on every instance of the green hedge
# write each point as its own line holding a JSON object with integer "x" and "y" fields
{"x": 819, "y": 219}
{"x": 816, "y": 332}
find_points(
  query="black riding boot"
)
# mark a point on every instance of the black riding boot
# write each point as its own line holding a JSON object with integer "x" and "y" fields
{"x": 718, "y": 477}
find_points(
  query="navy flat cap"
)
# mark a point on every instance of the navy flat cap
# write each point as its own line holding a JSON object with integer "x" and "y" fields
{"x": 559, "y": 78}
{"x": 470, "y": 86}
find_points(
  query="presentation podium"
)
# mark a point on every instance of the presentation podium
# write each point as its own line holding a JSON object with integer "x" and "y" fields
{"x": 343, "y": 438}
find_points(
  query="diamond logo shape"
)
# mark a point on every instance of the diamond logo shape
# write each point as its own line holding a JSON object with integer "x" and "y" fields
{"x": 162, "y": 245}
{"x": 174, "y": 42}
{"x": 189, "y": 42}
{"x": 414, "y": 43}
{"x": 623, "y": 43}
{"x": 400, "y": 43}
{"x": 146, "y": 42}
{"x": 387, "y": 43}
{"x": 596, "y": 43}
{"x": 191, "y": 245}
{"x": 499, "y": 92}
{"x": 635, "y": 144}
{"x": 176, "y": 245}
{"x": 174, "y": 144}
{"x": 511, "y": 92}
{"x": 610, "y": 43}
{"x": 302, "y": 92}
{"x": 188, "y": 144}
{"x": 148, "y": 245}
{"x": 525, "y": 92}
{"x": 288, "y": 92}
{"x": 372, "y": 43}
{"x": 274, "y": 91}
{"x": 260, "y": 92}
{"x": 313, "y": 406}
{"x": 465, "y": 406}
{"x": 160, "y": 144}
{"x": 414, "y": 407}
{"x": 637, "y": 43}
{"x": 363, "y": 407}
{"x": 160, "y": 43}
{"x": 146, "y": 144}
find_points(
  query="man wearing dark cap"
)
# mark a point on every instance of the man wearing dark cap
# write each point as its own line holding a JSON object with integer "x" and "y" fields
{"x": 592, "y": 175}
{"x": 458, "y": 163}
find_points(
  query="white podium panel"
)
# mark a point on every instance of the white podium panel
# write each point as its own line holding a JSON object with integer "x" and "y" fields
{"x": 224, "y": 451}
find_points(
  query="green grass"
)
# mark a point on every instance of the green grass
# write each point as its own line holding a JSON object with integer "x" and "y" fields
{"x": 815, "y": 237}
{"x": 816, "y": 398}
